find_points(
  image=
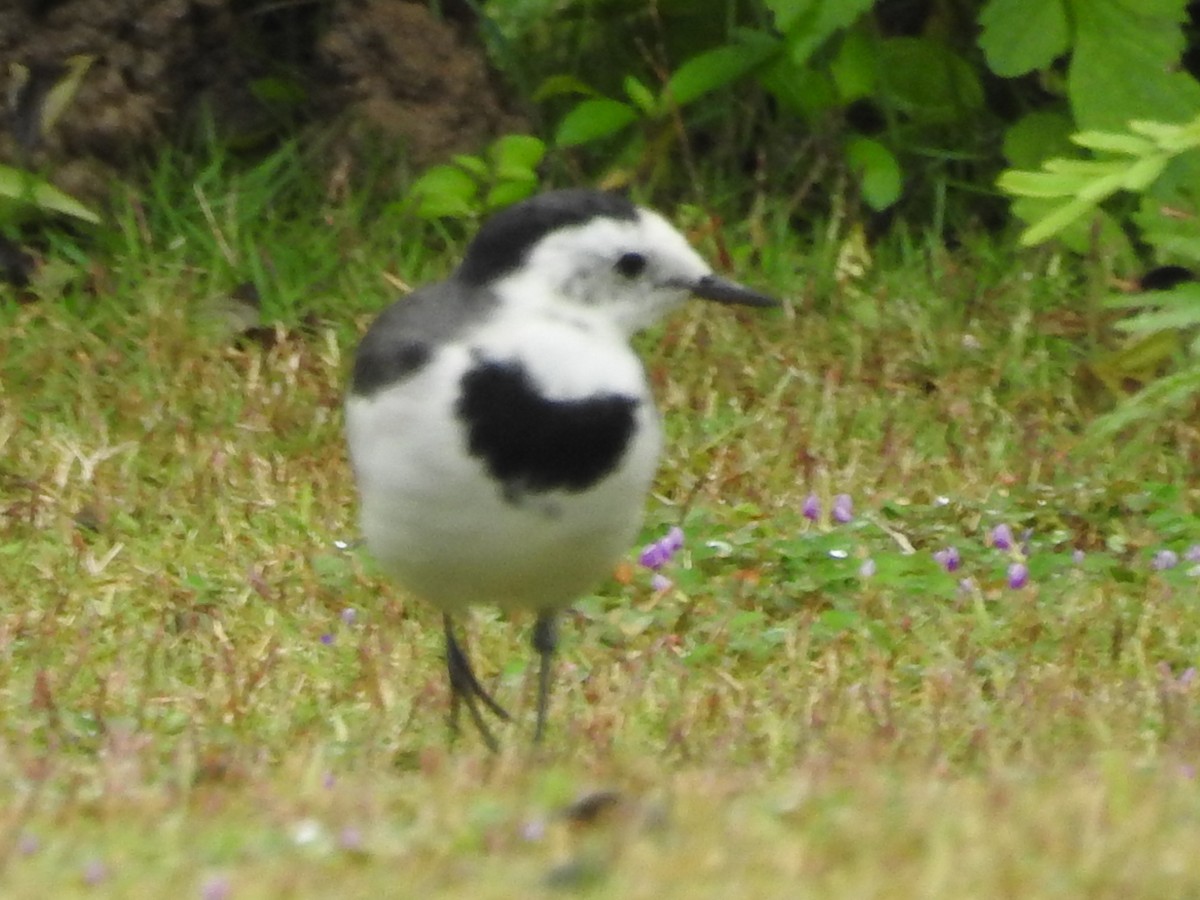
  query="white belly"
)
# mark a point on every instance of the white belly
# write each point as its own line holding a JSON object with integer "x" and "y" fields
{"x": 438, "y": 522}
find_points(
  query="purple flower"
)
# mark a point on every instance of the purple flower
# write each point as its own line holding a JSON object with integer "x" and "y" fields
{"x": 1078, "y": 557}
{"x": 948, "y": 558}
{"x": 673, "y": 540}
{"x": 94, "y": 872}
{"x": 351, "y": 839}
{"x": 843, "y": 508}
{"x": 1164, "y": 559}
{"x": 349, "y": 615}
{"x": 1002, "y": 537}
{"x": 1192, "y": 553}
{"x": 867, "y": 569}
{"x": 216, "y": 887}
{"x": 1018, "y": 575}
{"x": 534, "y": 829}
{"x": 327, "y": 639}
{"x": 811, "y": 508}
{"x": 659, "y": 553}
{"x": 654, "y": 556}
{"x": 660, "y": 582}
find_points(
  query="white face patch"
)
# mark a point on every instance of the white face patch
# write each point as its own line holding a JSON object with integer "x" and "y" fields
{"x": 585, "y": 266}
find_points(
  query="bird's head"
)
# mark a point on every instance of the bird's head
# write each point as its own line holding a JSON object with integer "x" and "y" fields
{"x": 598, "y": 251}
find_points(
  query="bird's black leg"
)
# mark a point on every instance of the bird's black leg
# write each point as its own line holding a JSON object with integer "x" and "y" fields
{"x": 545, "y": 641}
{"x": 465, "y": 687}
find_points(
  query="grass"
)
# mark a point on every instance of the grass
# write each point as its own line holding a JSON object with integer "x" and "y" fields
{"x": 188, "y": 709}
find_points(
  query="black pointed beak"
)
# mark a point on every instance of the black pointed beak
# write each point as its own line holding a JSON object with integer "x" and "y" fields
{"x": 722, "y": 290}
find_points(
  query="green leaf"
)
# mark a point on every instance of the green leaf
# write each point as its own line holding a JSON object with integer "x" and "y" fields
{"x": 1039, "y": 184}
{"x": 1056, "y": 221}
{"x": 1036, "y": 136}
{"x": 472, "y": 164}
{"x": 641, "y": 95}
{"x": 444, "y": 192}
{"x": 1113, "y": 142}
{"x": 59, "y": 97}
{"x": 881, "y": 179}
{"x": 927, "y": 80}
{"x": 563, "y": 85}
{"x": 1020, "y": 36}
{"x": 1186, "y": 294}
{"x": 807, "y": 24}
{"x": 1125, "y": 64}
{"x": 592, "y": 120}
{"x": 1139, "y": 176}
{"x": 1155, "y": 400}
{"x": 24, "y": 187}
{"x": 806, "y": 92}
{"x": 516, "y": 156}
{"x": 715, "y": 69}
{"x": 854, "y": 68}
{"x": 509, "y": 192}
{"x": 1174, "y": 309}
{"x": 1084, "y": 235}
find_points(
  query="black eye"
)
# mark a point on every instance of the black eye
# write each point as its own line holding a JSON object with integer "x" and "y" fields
{"x": 631, "y": 264}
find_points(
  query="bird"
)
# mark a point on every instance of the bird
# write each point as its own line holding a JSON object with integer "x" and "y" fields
{"x": 501, "y": 429}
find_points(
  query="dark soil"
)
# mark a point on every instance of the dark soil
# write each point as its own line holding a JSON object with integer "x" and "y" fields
{"x": 361, "y": 71}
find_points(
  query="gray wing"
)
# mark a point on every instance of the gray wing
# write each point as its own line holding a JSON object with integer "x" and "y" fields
{"x": 407, "y": 334}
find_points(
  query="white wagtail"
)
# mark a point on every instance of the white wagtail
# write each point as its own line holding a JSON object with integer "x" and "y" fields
{"x": 501, "y": 429}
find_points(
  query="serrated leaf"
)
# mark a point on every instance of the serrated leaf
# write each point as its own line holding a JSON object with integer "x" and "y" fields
{"x": 1186, "y": 294}
{"x": 23, "y": 187}
{"x": 1084, "y": 168}
{"x": 1174, "y": 319}
{"x": 1101, "y": 188}
{"x": 641, "y": 95}
{"x": 1019, "y": 36}
{"x": 1022, "y": 183}
{"x": 1155, "y": 399}
{"x": 881, "y": 178}
{"x": 1124, "y": 65}
{"x": 1113, "y": 142}
{"x": 592, "y": 120}
{"x": 1173, "y": 138}
{"x": 1144, "y": 172}
{"x": 1055, "y": 221}
{"x": 715, "y": 69}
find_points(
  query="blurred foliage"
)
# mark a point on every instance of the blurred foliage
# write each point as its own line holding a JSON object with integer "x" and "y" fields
{"x": 914, "y": 105}
{"x": 1156, "y": 162}
{"x": 36, "y": 101}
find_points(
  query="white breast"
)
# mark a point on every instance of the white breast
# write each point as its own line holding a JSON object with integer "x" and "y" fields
{"x": 441, "y": 525}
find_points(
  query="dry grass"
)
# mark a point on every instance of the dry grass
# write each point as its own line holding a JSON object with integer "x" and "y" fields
{"x": 184, "y": 710}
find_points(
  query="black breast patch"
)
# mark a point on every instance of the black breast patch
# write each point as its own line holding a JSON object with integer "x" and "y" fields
{"x": 532, "y": 444}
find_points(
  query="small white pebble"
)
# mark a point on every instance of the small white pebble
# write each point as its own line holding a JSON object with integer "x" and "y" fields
{"x": 306, "y": 831}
